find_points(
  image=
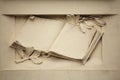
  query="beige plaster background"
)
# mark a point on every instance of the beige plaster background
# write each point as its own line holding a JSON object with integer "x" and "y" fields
{"x": 108, "y": 70}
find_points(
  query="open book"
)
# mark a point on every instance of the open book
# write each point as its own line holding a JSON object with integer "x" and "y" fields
{"x": 60, "y": 38}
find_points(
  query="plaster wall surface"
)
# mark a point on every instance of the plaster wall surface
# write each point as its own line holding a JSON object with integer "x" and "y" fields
{"x": 108, "y": 70}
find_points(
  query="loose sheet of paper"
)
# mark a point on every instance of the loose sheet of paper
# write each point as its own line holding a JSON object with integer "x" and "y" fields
{"x": 39, "y": 33}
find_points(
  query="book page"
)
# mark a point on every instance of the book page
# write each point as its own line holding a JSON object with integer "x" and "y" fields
{"x": 72, "y": 42}
{"x": 39, "y": 33}
{"x": 94, "y": 43}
